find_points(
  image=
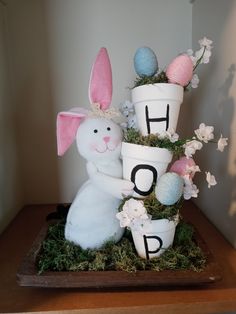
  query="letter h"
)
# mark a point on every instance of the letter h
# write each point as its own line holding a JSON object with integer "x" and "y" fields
{"x": 149, "y": 120}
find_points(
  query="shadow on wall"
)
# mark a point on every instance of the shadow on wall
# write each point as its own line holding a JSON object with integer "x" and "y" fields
{"x": 214, "y": 103}
{"x": 226, "y": 109}
{"x": 222, "y": 207}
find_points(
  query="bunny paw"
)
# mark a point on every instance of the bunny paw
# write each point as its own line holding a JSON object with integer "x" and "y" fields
{"x": 128, "y": 188}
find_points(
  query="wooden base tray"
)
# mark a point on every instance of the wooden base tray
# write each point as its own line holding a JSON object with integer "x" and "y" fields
{"x": 27, "y": 274}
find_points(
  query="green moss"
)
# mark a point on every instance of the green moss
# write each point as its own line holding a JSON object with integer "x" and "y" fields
{"x": 133, "y": 136}
{"x": 155, "y": 208}
{"x": 57, "y": 254}
{"x": 160, "y": 211}
{"x": 144, "y": 80}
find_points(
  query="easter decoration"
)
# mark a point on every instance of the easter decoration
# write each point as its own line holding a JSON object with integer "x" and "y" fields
{"x": 148, "y": 149}
{"x": 126, "y": 217}
{"x": 91, "y": 220}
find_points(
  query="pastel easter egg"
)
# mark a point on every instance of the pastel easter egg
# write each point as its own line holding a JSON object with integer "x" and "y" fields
{"x": 145, "y": 62}
{"x": 169, "y": 188}
{"x": 180, "y": 70}
{"x": 181, "y": 166}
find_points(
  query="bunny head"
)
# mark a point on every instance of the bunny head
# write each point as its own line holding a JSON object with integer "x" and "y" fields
{"x": 99, "y": 139}
{"x": 97, "y": 136}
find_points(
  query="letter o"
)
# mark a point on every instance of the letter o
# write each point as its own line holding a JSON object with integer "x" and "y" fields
{"x": 133, "y": 176}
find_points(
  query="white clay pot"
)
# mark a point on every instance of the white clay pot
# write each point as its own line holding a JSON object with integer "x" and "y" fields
{"x": 155, "y": 238}
{"x": 143, "y": 165}
{"x": 157, "y": 107}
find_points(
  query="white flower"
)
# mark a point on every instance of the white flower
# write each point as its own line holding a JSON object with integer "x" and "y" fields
{"x": 205, "y": 57}
{"x": 126, "y": 108}
{"x": 210, "y": 179}
{"x": 191, "y": 147}
{"x": 124, "y": 219}
{"x": 190, "y": 189}
{"x": 205, "y": 42}
{"x": 194, "y": 81}
{"x": 191, "y": 170}
{"x": 204, "y": 53}
{"x": 170, "y": 134}
{"x": 135, "y": 209}
{"x": 134, "y": 215}
{"x": 205, "y": 133}
{"x": 222, "y": 142}
{"x": 132, "y": 121}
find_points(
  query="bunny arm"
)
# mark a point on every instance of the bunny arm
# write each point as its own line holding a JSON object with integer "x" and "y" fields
{"x": 111, "y": 185}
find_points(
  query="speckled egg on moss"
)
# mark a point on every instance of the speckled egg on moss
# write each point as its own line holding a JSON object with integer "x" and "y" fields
{"x": 169, "y": 188}
{"x": 145, "y": 62}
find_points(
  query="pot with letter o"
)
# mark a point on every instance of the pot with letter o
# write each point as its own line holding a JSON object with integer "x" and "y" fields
{"x": 144, "y": 165}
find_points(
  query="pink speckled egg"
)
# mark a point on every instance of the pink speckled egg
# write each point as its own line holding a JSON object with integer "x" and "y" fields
{"x": 180, "y": 166}
{"x": 180, "y": 70}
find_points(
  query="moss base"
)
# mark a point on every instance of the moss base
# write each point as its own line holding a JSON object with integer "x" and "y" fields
{"x": 57, "y": 254}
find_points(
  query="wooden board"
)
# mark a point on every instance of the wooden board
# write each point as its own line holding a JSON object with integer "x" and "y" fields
{"x": 27, "y": 274}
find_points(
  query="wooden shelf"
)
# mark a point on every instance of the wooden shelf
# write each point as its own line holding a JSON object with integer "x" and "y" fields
{"x": 18, "y": 237}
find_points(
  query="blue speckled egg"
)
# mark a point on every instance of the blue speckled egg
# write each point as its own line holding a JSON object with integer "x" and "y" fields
{"x": 169, "y": 188}
{"x": 145, "y": 62}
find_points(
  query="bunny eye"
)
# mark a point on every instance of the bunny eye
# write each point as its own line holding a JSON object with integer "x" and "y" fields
{"x": 108, "y": 129}
{"x": 95, "y": 131}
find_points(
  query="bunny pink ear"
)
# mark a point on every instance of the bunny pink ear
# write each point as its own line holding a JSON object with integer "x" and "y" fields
{"x": 67, "y": 126}
{"x": 100, "y": 85}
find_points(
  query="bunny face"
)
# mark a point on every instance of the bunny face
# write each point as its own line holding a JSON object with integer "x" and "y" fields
{"x": 99, "y": 139}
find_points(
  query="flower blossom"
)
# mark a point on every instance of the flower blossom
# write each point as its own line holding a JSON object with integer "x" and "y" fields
{"x": 203, "y": 55}
{"x": 191, "y": 170}
{"x": 126, "y": 108}
{"x": 222, "y": 142}
{"x": 191, "y": 147}
{"x": 133, "y": 215}
{"x": 205, "y": 133}
{"x": 210, "y": 179}
{"x": 170, "y": 134}
{"x": 205, "y": 42}
{"x": 190, "y": 189}
{"x": 132, "y": 121}
{"x": 135, "y": 209}
{"x": 205, "y": 51}
{"x": 194, "y": 81}
{"x": 124, "y": 219}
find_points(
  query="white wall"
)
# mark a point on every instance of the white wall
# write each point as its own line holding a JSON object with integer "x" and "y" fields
{"x": 51, "y": 47}
{"x": 214, "y": 102}
{"x": 10, "y": 187}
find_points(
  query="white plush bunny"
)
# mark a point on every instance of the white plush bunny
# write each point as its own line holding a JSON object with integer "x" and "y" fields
{"x": 91, "y": 220}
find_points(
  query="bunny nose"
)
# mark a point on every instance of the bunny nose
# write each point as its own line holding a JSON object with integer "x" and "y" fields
{"x": 106, "y": 139}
